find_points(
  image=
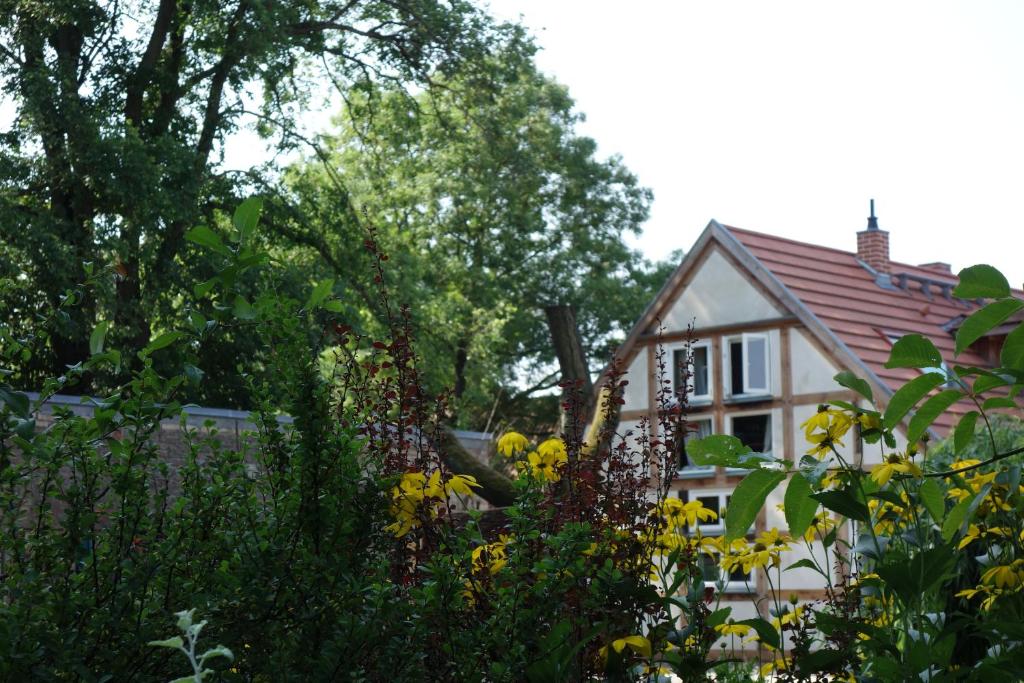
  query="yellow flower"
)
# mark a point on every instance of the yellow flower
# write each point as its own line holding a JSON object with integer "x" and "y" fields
{"x": 989, "y": 594}
{"x": 894, "y": 463}
{"x": 789, "y": 618}
{"x": 542, "y": 467}
{"x": 1004, "y": 576}
{"x": 733, "y": 629}
{"x": 511, "y": 443}
{"x": 979, "y": 531}
{"x": 825, "y": 429}
{"x": 769, "y": 667}
{"x": 637, "y": 644}
{"x": 461, "y": 483}
{"x": 819, "y": 528}
{"x": 416, "y": 497}
{"x": 774, "y": 539}
{"x": 491, "y": 556}
{"x": 758, "y": 558}
{"x": 554, "y": 450}
{"x": 695, "y": 510}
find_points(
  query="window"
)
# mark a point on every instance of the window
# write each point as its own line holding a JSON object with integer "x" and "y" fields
{"x": 754, "y": 431}
{"x": 737, "y": 580}
{"x": 714, "y": 501}
{"x": 729, "y": 582}
{"x": 696, "y": 382}
{"x": 696, "y": 428}
{"x": 746, "y": 356}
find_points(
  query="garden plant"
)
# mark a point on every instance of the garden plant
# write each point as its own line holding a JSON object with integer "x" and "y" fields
{"x": 341, "y": 546}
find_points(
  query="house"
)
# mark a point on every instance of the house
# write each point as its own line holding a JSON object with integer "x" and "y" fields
{"x": 774, "y": 321}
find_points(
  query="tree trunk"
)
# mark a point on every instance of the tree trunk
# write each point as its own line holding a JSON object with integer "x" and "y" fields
{"x": 495, "y": 487}
{"x": 572, "y": 361}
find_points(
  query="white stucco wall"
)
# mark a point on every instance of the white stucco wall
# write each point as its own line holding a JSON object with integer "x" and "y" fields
{"x": 718, "y": 294}
{"x": 812, "y": 370}
{"x": 635, "y": 393}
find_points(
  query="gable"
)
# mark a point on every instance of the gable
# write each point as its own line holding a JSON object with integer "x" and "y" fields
{"x": 718, "y": 294}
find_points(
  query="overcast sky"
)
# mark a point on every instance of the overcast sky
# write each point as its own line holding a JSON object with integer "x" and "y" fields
{"x": 787, "y": 117}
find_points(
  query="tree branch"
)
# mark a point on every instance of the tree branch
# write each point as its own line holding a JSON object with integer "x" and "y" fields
{"x": 140, "y": 79}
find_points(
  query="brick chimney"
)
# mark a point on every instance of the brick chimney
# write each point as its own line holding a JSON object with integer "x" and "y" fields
{"x": 873, "y": 244}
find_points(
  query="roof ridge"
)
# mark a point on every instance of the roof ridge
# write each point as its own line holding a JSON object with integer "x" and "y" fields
{"x": 938, "y": 276}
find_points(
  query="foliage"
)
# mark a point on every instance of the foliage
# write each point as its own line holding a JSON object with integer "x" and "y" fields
{"x": 491, "y": 205}
{"x": 186, "y": 644}
{"x": 121, "y": 110}
{"x": 333, "y": 546}
{"x": 921, "y": 557}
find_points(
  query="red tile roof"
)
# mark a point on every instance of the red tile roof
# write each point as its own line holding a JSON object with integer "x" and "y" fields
{"x": 844, "y": 296}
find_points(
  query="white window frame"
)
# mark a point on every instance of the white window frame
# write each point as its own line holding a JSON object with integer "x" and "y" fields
{"x": 691, "y": 396}
{"x": 771, "y": 433}
{"x": 698, "y": 471}
{"x": 745, "y": 339}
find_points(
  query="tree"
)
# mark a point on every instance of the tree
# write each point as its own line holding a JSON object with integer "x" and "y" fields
{"x": 493, "y": 207}
{"x": 120, "y": 112}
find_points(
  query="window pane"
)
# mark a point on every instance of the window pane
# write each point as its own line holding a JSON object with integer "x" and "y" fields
{"x": 696, "y": 429}
{"x": 736, "y": 366}
{"x": 709, "y": 568}
{"x": 700, "y": 371}
{"x": 738, "y": 575}
{"x": 753, "y": 431}
{"x": 757, "y": 363}
{"x": 679, "y": 370}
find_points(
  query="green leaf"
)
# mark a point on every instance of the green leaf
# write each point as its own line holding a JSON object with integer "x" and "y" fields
{"x": 799, "y": 505}
{"x": 914, "y": 351}
{"x": 243, "y": 310}
{"x": 964, "y": 431}
{"x": 15, "y": 400}
{"x": 998, "y": 402}
{"x": 851, "y": 381}
{"x": 175, "y": 642}
{"x": 748, "y": 499}
{"x": 333, "y": 305}
{"x": 205, "y": 237}
{"x": 888, "y": 496}
{"x": 843, "y": 503}
{"x": 930, "y": 411}
{"x": 218, "y": 651}
{"x": 912, "y": 579}
{"x": 803, "y": 564}
{"x": 765, "y": 631}
{"x": 99, "y": 333}
{"x": 164, "y": 340}
{"x": 717, "y": 617}
{"x": 907, "y": 397}
{"x": 988, "y": 382}
{"x": 718, "y": 449}
{"x": 981, "y": 321}
{"x": 954, "y": 519}
{"x": 820, "y": 660}
{"x": 981, "y": 281}
{"x": 247, "y": 216}
{"x": 320, "y": 292}
{"x": 933, "y": 498}
{"x": 1012, "y": 355}
{"x": 203, "y": 288}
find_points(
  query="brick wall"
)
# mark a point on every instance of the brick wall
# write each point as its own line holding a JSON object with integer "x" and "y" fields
{"x": 873, "y": 249}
